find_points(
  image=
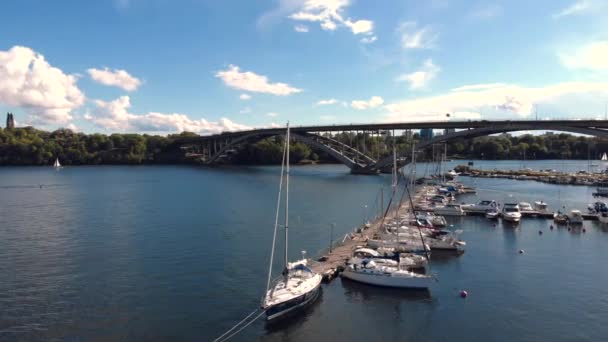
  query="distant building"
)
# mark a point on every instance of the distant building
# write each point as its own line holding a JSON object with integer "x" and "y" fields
{"x": 10, "y": 120}
{"x": 449, "y": 130}
{"x": 426, "y": 134}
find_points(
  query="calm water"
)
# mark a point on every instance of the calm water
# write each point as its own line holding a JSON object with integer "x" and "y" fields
{"x": 179, "y": 253}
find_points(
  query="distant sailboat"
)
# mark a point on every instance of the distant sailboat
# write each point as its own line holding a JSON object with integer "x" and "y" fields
{"x": 604, "y": 157}
{"x": 57, "y": 165}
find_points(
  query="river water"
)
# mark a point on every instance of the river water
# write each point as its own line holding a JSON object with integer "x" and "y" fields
{"x": 181, "y": 253}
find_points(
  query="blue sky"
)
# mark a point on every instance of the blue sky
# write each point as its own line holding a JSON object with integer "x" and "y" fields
{"x": 163, "y": 66}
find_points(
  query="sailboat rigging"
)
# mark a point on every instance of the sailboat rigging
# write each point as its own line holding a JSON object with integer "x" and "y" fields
{"x": 299, "y": 285}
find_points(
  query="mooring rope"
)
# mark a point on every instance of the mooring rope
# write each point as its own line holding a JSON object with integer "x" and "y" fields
{"x": 223, "y": 337}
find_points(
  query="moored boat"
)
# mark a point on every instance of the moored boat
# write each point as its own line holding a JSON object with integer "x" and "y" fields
{"x": 299, "y": 285}
{"x": 511, "y": 212}
{"x": 369, "y": 272}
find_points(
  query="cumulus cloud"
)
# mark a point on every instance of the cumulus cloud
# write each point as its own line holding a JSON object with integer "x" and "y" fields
{"x": 329, "y": 13}
{"x": 592, "y": 56}
{"x": 327, "y": 102}
{"x": 114, "y": 115}
{"x": 45, "y": 92}
{"x": 374, "y": 102}
{"x": 250, "y": 81}
{"x": 114, "y": 78}
{"x": 245, "y": 97}
{"x": 415, "y": 37}
{"x": 578, "y": 7}
{"x": 301, "y": 28}
{"x": 509, "y": 99}
{"x": 421, "y": 78}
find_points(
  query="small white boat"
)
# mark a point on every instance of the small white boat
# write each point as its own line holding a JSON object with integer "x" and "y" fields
{"x": 525, "y": 207}
{"x": 575, "y": 218}
{"x": 604, "y": 157}
{"x": 480, "y": 207}
{"x": 57, "y": 165}
{"x": 540, "y": 206}
{"x": 492, "y": 214}
{"x": 370, "y": 272}
{"x": 603, "y": 217}
{"x": 511, "y": 212}
{"x": 450, "y": 210}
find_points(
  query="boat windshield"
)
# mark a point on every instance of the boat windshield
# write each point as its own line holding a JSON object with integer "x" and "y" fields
{"x": 511, "y": 210}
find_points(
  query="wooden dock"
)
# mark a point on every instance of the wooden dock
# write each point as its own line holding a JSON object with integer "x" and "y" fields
{"x": 330, "y": 264}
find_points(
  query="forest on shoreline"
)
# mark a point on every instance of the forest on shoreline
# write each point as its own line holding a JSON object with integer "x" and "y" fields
{"x": 30, "y": 146}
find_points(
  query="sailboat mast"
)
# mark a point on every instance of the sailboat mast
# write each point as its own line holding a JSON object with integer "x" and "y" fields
{"x": 287, "y": 200}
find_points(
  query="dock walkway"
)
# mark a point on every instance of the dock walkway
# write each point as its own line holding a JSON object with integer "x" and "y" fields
{"x": 329, "y": 265}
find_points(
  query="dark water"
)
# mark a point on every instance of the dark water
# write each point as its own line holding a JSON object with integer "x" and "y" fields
{"x": 178, "y": 253}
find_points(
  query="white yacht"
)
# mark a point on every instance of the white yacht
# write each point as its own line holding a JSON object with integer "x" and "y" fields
{"x": 511, "y": 212}
{"x": 540, "y": 206}
{"x": 480, "y": 207}
{"x": 450, "y": 210}
{"x": 575, "y": 218}
{"x": 368, "y": 271}
{"x": 298, "y": 285}
{"x": 525, "y": 207}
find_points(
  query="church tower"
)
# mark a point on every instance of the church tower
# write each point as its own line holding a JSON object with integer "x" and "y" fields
{"x": 10, "y": 120}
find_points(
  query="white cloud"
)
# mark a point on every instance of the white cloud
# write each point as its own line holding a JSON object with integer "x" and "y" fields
{"x": 329, "y": 13}
{"x": 421, "y": 78}
{"x": 503, "y": 98}
{"x": 245, "y": 97}
{"x": 368, "y": 40}
{"x": 479, "y": 86}
{"x": 327, "y": 102}
{"x": 114, "y": 115}
{"x": 327, "y": 117}
{"x": 593, "y": 56}
{"x": 245, "y": 110}
{"x": 28, "y": 81}
{"x": 272, "y": 114}
{"x": 374, "y": 102}
{"x": 414, "y": 37}
{"x": 253, "y": 82}
{"x": 301, "y": 28}
{"x": 116, "y": 78}
{"x": 73, "y": 127}
{"x": 578, "y": 7}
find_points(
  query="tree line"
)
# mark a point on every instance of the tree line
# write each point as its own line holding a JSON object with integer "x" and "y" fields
{"x": 30, "y": 146}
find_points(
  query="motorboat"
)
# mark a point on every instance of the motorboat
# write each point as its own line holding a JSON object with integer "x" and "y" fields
{"x": 603, "y": 217}
{"x": 560, "y": 218}
{"x": 492, "y": 214}
{"x": 511, "y": 212}
{"x": 480, "y": 207}
{"x": 597, "y": 207}
{"x": 435, "y": 220}
{"x": 446, "y": 242}
{"x": 298, "y": 285}
{"x": 369, "y": 271}
{"x": 450, "y": 210}
{"x": 525, "y": 207}
{"x": 575, "y": 218}
{"x": 540, "y": 206}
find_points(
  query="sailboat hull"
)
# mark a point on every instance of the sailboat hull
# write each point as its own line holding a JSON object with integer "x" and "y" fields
{"x": 293, "y": 305}
{"x": 388, "y": 281}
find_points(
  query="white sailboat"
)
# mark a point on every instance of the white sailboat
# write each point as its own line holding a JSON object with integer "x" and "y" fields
{"x": 299, "y": 285}
{"x": 604, "y": 157}
{"x": 57, "y": 165}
